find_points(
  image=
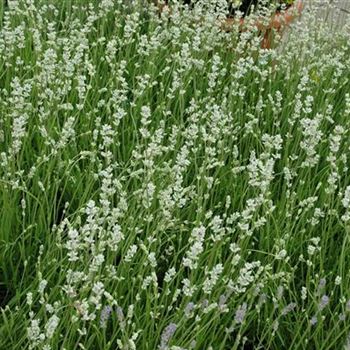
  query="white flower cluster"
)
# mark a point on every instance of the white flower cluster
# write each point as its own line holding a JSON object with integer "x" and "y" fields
{"x": 167, "y": 184}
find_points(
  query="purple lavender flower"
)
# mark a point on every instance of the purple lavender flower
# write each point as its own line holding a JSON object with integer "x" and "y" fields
{"x": 105, "y": 314}
{"x": 290, "y": 307}
{"x": 323, "y": 302}
{"x": 313, "y": 320}
{"x": 240, "y": 313}
{"x": 188, "y": 309}
{"x": 166, "y": 335}
{"x": 205, "y": 303}
{"x": 321, "y": 285}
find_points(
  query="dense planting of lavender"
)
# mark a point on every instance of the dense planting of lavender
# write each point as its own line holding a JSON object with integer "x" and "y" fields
{"x": 165, "y": 184}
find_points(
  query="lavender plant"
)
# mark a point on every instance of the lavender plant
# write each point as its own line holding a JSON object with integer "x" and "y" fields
{"x": 165, "y": 184}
